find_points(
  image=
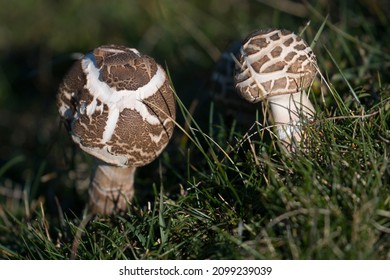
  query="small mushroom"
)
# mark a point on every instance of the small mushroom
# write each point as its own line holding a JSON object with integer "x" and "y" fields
{"x": 278, "y": 65}
{"x": 118, "y": 106}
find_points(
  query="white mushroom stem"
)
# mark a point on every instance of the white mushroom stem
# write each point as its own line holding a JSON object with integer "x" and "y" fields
{"x": 111, "y": 188}
{"x": 288, "y": 112}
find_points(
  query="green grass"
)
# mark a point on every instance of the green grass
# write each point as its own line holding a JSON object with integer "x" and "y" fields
{"x": 221, "y": 190}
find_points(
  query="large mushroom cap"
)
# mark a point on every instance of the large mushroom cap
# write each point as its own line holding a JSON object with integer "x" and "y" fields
{"x": 273, "y": 62}
{"x": 118, "y": 105}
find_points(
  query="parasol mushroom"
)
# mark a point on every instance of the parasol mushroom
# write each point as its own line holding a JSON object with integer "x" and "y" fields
{"x": 119, "y": 107}
{"x": 278, "y": 65}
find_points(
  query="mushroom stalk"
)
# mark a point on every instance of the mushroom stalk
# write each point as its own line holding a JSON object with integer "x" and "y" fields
{"x": 288, "y": 112}
{"x": 111, "y": 188}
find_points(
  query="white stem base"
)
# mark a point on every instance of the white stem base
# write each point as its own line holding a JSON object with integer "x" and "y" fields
{"x": 288, "y": 112}
{"x": 111, "y": 189}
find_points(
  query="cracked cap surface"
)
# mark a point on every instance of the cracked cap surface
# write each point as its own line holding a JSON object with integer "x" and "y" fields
{"x": 273, "y": 62}
{"x": 118, "y": 105}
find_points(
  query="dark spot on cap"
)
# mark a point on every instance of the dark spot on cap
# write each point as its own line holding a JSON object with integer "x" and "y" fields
{"x": 288, "y": 42}
{"x": 276, "y": 51}
{"x": 290, "y": 56}
{"x": 275, "y": 37}
{"x": 300, "y": 47}
{"x": 277, "y": 66}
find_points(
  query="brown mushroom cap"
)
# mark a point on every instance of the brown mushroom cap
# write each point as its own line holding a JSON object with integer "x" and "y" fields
{"x": 118, "y": 106}
{"x": 273, "y": 62}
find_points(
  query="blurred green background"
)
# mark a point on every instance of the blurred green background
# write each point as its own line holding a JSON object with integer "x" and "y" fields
{"x": 39, "y": 40}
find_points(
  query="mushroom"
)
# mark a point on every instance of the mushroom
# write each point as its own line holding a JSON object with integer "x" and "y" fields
{"x": 278, "y": 65}
{"x": 118, "y": 106}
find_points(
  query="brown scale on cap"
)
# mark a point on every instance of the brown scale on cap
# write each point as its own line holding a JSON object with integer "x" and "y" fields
{"x": 118, "y": 106}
